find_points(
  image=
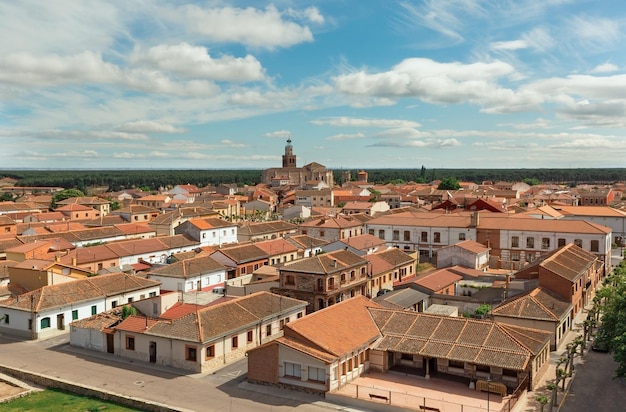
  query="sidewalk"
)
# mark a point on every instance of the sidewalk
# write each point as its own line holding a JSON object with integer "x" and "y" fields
{"x": 541, "y": 389}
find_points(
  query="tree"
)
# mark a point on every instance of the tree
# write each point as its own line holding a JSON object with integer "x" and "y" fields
{"x": 65, "y": 194}
{"x": 449, "y": 183}
{"x": 6, "y": 197}
{"x": 531, "y": 181}
{"x": 482, "y": 310}
{"x": 543, "y": 400}
{"x": 128, "y": 310}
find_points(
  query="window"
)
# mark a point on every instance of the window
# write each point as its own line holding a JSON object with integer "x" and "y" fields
{"x": 74, "y": 314}
{"x": 299, "y": 315}
{"x": 396, "y": 235}
{"x": 282, "y": 324}
{"x": 407, "y": 236}
{"x": 545, "y": 243}
{"x": 530, "y": 242}
{"x": 561, "y": 242}
{"x": 317, "y": 374}
{"x": 268, "y": 330}
{"x": 243, "y": 270}
{"x": 514, "y": 241}
{"x": 322, "y": 233}
{"x": 234, "y": 342}
{"x": 352, "y": 274}
{"x": 210, "y": 352}
{"x": 371, "y": 232}
{"x": 578, "y": 242}
{"x": 190, "y": 353}
{"x": 249, "y": 336}
{"x": 343, "y": 278}
{"x": 290, "y": 280}
{"x": 130, "y": 342}
{"x": 293, "y": 370}
{"x": 424, "y": 237}
{"x": 94, "y": 310}
{"x": 6, "y": 318}
{"x": 437, "y": 237}
{"x": 381, "y": 234}
{"x": 595, "y": 246}
{"x": 461, "y": 236}
{"x": 515, "y": 256}
{"x": 152, "y": 294}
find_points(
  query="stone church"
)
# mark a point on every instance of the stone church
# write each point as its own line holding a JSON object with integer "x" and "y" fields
{"x": 292, "y": 175}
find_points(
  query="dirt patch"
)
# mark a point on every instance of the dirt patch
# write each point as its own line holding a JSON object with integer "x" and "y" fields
{"x": 7, "y": 390}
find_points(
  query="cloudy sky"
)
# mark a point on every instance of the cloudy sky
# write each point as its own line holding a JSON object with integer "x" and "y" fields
{"x": 355, "y": 84}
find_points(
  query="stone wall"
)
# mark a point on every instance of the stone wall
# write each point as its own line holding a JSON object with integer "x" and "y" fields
{"x": 65, "y": 386}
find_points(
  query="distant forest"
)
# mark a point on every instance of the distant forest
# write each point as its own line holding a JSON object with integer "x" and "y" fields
{"x": 116, "y": 180}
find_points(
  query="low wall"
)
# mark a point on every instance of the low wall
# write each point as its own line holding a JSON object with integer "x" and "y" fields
{"x": 363, "y": 404}
{"x": 70, "y": 387}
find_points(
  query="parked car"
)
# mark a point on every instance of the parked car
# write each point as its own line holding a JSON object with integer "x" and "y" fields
{"x": 383, "y": 292}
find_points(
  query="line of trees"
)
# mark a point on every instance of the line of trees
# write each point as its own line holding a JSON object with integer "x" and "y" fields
{"x": 116, "y": 180}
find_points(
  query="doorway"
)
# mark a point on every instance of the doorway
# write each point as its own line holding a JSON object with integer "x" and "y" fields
{"x": 60, "y": 321}
{"x": 153, "y": 352}
{"x": 110, "y": 345}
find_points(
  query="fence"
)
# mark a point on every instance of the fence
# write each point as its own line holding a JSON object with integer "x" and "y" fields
{"x": 410, "y": 401}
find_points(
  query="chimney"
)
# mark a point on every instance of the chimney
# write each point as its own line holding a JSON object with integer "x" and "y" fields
{"x": 334, "y": 263}
{"x": 474, "y": 220}
{"x": 74, "y": 261}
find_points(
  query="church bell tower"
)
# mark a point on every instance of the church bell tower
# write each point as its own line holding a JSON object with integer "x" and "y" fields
{"x": 289, "y": 159}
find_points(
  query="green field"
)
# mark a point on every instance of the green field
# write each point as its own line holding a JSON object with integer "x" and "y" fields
{"x": 54, "y": 401}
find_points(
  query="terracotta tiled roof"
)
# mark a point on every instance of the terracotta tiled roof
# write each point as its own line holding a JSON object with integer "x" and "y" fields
{"x": 437, "y": 280}
{"x": 100, "y": 321}
{"x": 337, "y": 222}
{"x": 211, "y": 223}
{"x": 569, "y": 262}
{"x": 599, "y": 211}
{"x": 539, "y": 303}
{"x": 276, "y": 246}
{"x": 137, "y": 324}
{"x": 306, "y": 241}
{"x": 489, "y": 221}
{"x": 363, "y": 242}
{"x": 259, "y": 228}
{"x": 326, "y": 263}
{"x": 81, "y": 290}
{"x": 211, "y": 322}
{"x": 4, "y": 268}
{"x": 243, "y": 253}
{"x": 459, "y": 339}
{"x": 472, "y": 246}
{"x": 189, "y": 268}
{"x": 337, "y": 329}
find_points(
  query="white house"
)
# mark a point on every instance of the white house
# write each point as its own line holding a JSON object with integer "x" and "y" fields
{"x": 209, "y": 231}
{"x": 46, "y": 311}
{"x": 197, "y": 338}
{"x": 466, "y": 253}
{"x": 190, "y": 274}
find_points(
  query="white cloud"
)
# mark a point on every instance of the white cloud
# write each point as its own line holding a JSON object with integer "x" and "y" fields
{"x": 594, "y": 31}
{"x": 194, "y": 61}
{"x": 444, "y": 83}
{"x": 230, "y": 143}
{"x": 363, "y": 122}
{"x": 346, "y": 136}
{"x": 311, "y": 14}
{"x": 278, "y": 133}
{"x": 509, "y": 45}
{"x": 604, "y": 68}
{"x": 249, "y": 26}
{"x": 147, "y": 126}
{"x": 539, "y": 39}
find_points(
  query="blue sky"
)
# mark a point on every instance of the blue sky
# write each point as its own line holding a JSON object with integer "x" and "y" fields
{"x": 355, "y": 84}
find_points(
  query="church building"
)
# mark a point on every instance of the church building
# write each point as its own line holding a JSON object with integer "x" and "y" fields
{"x": 298, "y": 177}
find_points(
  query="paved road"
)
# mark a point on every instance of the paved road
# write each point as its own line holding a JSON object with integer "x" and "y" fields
{"x": 593, "y": 388}
{"x": 216, "y": 392}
